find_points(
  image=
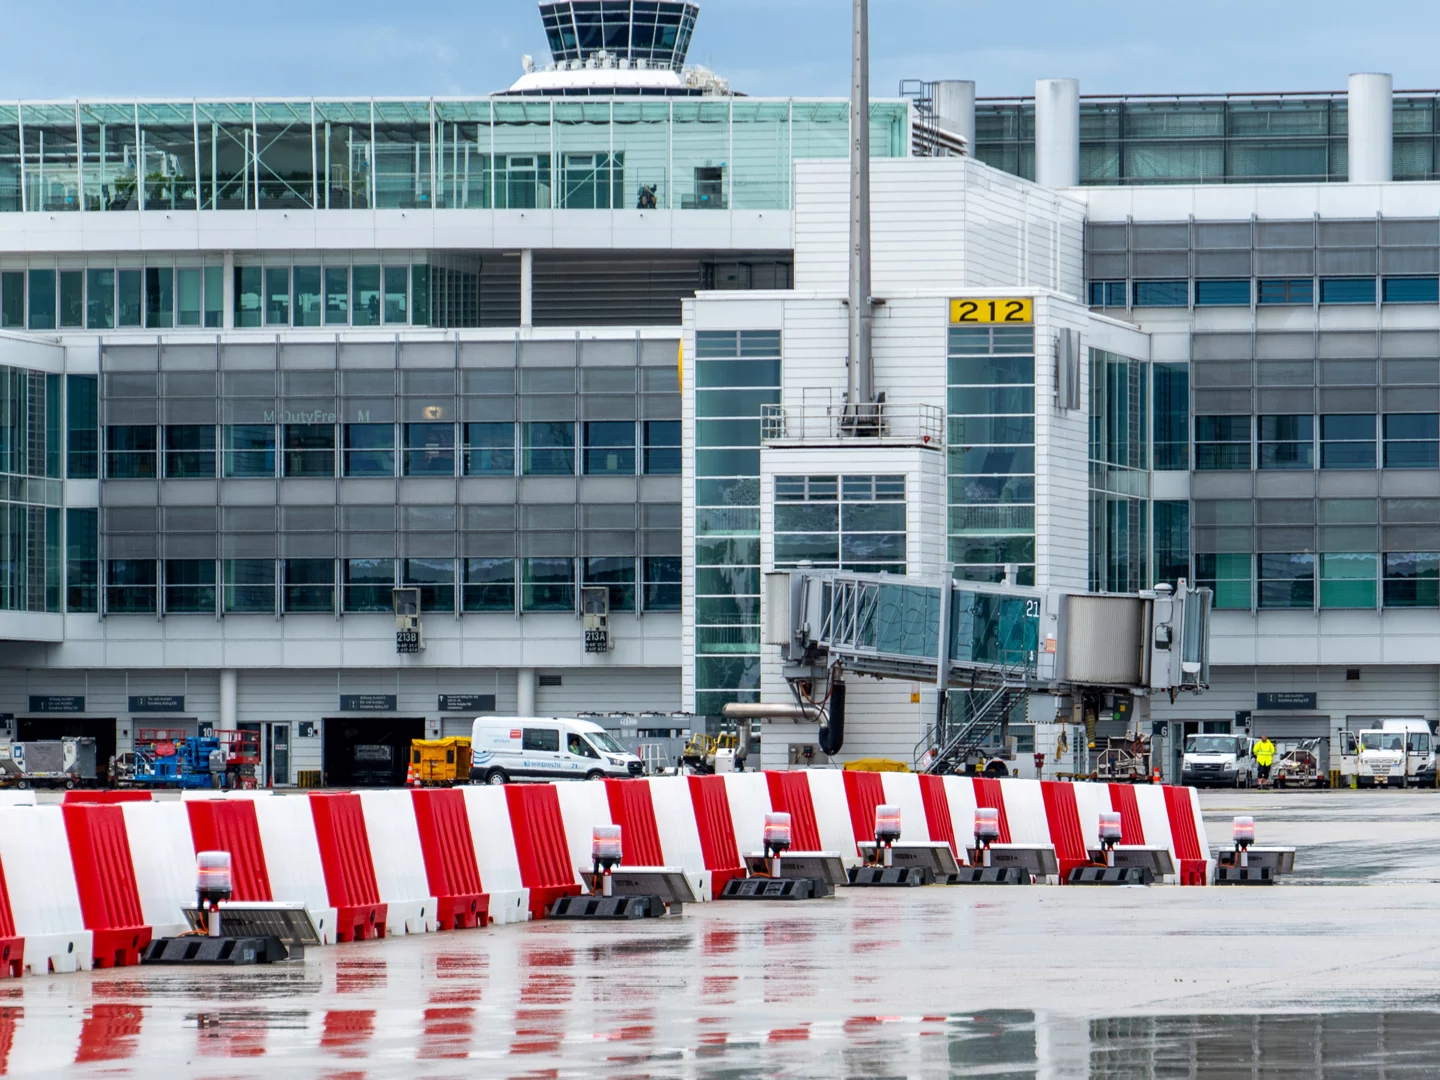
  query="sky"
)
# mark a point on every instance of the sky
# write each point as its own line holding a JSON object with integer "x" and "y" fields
{"x": 318, "y": 48}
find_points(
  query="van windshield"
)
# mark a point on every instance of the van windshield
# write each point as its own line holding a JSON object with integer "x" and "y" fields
{"x": 602, "y": 741}
{"x": 1210, "y": 744}
{"x": 1382, "y": 740}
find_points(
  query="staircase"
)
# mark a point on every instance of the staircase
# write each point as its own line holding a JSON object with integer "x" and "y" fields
{"x": 951, "y": 748}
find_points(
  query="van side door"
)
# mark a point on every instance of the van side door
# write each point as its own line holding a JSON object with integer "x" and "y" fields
{"x": 580, "y": 756}
{"x": 1417, "y": 752}
{"x": 540, "y": 752}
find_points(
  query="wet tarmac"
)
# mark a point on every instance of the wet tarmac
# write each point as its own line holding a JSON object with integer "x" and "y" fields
{"x": 1341, "y": 980}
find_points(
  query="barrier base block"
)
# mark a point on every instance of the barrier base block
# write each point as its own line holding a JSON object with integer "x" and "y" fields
{"x": 227, "y": 951}
{"x": 12, "y": 956}
{"x": 1244, "y": 875}
{"x": 1111, "y": 875}
{"x": 757, "y": 888}
{"x": 121, "y": 947}
{"x": 608, "y": 907}
{"x": 989, "y": 875}
{"x": 463, "y": 912}
{"x": 361, "y": 922}
{"x": 904, "y": 876}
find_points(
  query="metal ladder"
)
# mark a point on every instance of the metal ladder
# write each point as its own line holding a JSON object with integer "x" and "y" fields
{"x": 951, "y": 749}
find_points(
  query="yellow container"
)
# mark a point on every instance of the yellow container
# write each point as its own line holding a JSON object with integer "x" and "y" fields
{"x": 440, "y": 762}
{"x": 876, "y": 764}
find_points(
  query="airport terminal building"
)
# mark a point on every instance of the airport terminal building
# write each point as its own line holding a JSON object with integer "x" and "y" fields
{"x": 263, "y": 363}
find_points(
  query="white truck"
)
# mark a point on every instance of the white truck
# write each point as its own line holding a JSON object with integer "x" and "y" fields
{"x": 1394, "y": 753}
{"x": 1218, "y": 760}
{"x": 506, "y": 748}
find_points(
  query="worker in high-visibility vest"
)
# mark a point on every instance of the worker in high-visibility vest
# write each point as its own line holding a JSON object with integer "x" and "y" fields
{"x": 1264, "y": 757}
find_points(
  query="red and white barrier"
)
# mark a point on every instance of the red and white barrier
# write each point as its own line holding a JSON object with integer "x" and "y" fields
{"x": 292, "y": 858}
{"x": 399, "y": 862}
{"x": 710, "y": 804}
{"x": 679, "y": 831}
{"x": 163, "y": 855}
{"x": 448, "y": 848}
{"x": 105, "y": 880}
{"x": 495, "y": 854}
{"x": 748, "y": 795}
{"x": 582, "y": 807}
{"x": 44, "y": 900}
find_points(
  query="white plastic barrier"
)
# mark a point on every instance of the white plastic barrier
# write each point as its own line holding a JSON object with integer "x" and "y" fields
{"x": 35, "y": 851}
{"x": 1025, "y": 811}
{"x": 399, "y": 863}
{"x": 749, "y": 797}
{"x": 832, "y": 814}
{"x": 16, "y": 798}
{"x": 292, "y": 857}
{"x": 1091, "y": 800}
{"x": 903, "y": 790}
{"x": 163, "y": 854}
{"x": 1154, "y": 819}
{"x": 495, "y": 855}
{"x": 679, "y": 835}
{"x": 583, "y": 805}
{"x": 960, "y": 794}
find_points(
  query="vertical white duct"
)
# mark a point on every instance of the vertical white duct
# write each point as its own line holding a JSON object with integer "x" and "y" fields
{"x": 1057, "y": 133}
{"x": 1372, "y": 129}
{"x": 955, "y": 109}
{"x": 860, "y": 384}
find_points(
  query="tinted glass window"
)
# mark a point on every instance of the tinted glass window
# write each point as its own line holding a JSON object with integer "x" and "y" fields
{"x": 540, "y": 739}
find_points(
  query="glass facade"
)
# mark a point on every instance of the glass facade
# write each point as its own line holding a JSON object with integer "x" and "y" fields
{"x": 1119, "y": 473}
{"x": 32, "y": 539}
{"x": 854, "y": 523}
{"x": 991, "y": 452}
{"x": 737, "y": 373}
{"x": 655, "y": 31}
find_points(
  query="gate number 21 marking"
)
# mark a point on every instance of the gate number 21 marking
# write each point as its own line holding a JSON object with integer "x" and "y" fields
{"x": 1000, "y": 310}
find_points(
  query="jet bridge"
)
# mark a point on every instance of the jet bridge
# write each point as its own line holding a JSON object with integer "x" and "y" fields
{"x": 1005, "y": 639}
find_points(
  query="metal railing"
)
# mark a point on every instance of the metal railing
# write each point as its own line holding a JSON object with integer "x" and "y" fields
{"x": 883, "y": 423}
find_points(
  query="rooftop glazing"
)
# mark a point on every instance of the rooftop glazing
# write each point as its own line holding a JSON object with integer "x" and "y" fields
{"x": 715, "y": 153}
{"x": 655, "y": 31}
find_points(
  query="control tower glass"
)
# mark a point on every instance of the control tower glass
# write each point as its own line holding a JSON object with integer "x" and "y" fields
{"x": 656, "y": 31}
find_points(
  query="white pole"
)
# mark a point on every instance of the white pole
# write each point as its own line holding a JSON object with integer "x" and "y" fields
{"x": 1372, "y": 129}
{"x": 1057, "y": 133}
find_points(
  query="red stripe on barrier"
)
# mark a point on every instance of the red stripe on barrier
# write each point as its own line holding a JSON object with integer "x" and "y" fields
{"x": 12, "y": 946}
{"x": 864, "y": 791}
{"x": 349, "y": 873}
{"x": 632, "y": 809}
{"x": 223, "y": 825}
{"x": 449, "y": 850}
{"x": 937, "y": 810}
{"x": 105, "y": 880}
{"x": 1063, "y": 817}
{"x": 1183, "y": 835}
{"x": 989, "y": 794}
{"x": 1124, "y": 802}
{"x": 108, "y": 797}
{"x": 540, "y": 845}
{"x": 790, "y": 794}
{"x": 717, "y": 830}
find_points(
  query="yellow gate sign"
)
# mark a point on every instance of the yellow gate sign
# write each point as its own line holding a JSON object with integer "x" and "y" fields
{"x": 996, "y": 310}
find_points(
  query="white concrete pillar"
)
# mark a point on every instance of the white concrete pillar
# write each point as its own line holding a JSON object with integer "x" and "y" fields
{"x": 1372, "y": 129}
{"x": 227, "y": 290}
{"x": 955, "y": 109}
{"x": 1057, "y": 133}
{"x": 527, "y": 288}
{"x": 229, "y": 701}
{"x": 525, "y": 692}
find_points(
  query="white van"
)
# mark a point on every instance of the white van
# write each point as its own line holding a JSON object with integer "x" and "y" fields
{"x": 1221, "y": 760}
{"x": 505, "y": 748}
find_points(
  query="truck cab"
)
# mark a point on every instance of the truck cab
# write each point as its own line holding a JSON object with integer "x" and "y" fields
{"x": 1219, "y": 761}
{"x": 1395, "y": 754}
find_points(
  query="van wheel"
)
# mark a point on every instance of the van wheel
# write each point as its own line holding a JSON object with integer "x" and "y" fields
{"x": 69, "y": 785}
{"x": 496, "y": 776}
{"x": 594, "y": 774}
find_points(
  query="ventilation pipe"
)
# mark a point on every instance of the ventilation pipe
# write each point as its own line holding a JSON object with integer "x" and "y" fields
{"x": 860, "y": 384}
{"x": 955, "y": 109}
{"x": 1372, "y": 129}
{"x": 1057, "y": 133}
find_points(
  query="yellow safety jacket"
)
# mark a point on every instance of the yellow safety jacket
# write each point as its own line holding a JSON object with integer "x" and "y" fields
{"x": 1265, "y": 752}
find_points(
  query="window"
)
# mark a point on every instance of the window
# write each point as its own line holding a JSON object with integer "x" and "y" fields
{"x": 550, "y": 449}
{"x": 1162, "y": 293}
{"x": 615, "y": 574}
{"x": 82, "y": 569}
{"x": 249, "y": 586}
{"x": 12, "y": 300}
{"x": 337, "y": 295}
{"x": 1347, "y": 442}
{"x": 189, "y": 451}
{"x": 100, "y": 299}
{"x": 310, "y": 450}
{"x": 1347, "y": 580}
{"x": 82, "y": 436}
{"x": 662, "y": 582}
{"x": 42, "y": 300}
{"x": 369, "y": 449}
{"x": 130, "y": 452}
{"x": 662, "y": 447}
{"x": 187, "y": 296}
{"x": 277, "y": 296}
{"x": 1227, "y": 292}
{"x": 1172, "y": 540}
{"x": 1287, "y": 442}
{"x": 368, "y": 584}
{"x": 1347, "y": 290}
{"x": 159, "y": 297}
{"x": 489, "y": 449}
{"x": 305, "y": 296}
{"x": 436, "y": 579}
{"x": 309, "y": 586}
{"x": 1172, "y": 414}
{"x": 214, "y": 296}
{"x": 609, "y": 447}
{"x": 1222, "y": 442}
{"x": 397, "y": 291}
{"x": 190, "y": 586}
{"x": 130, "y": 586}
{"x": 1107, "y": 294}
{"x": 429, "y": 449}
{"x": 489, "y": 585}
{"x": 1412, "y": 441}
{"x": 1411, "y": 290}
{"x": 1286, "y": 291}
{"x": 129, "y": 308}
{"x": 365, "y": 295}
{"x": 548, "y": 584}
{"x": 249, "y": 450}
{"x": 542, "y": 740}
{"x": 72, "y": 298}
{"x": 1287, "y": 580}
{"x": 1412, "y": 579}
{"x": 1228, "y": 576}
